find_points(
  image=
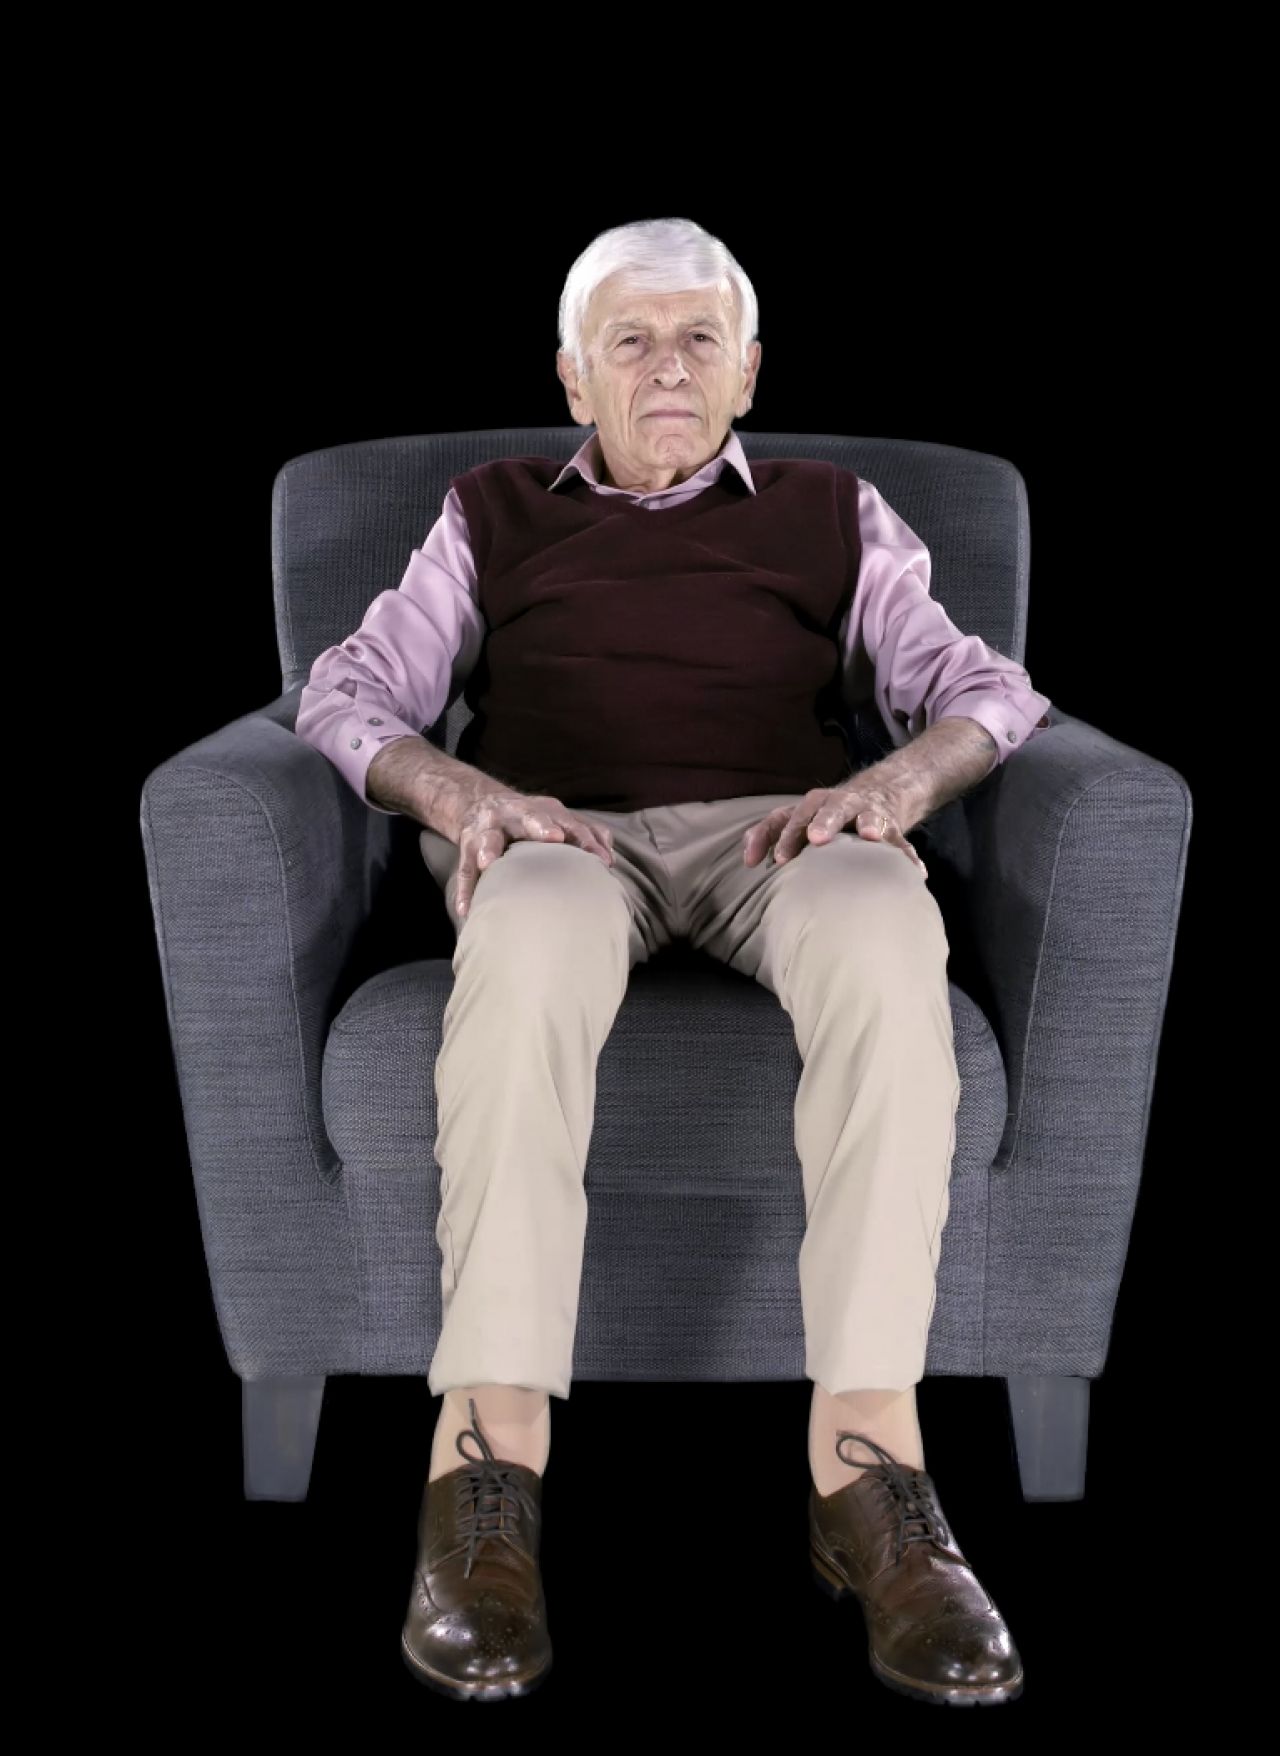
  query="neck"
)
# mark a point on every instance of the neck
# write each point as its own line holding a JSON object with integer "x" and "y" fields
{"x": 639, "y": 481}
{"x": 650, "y": 484}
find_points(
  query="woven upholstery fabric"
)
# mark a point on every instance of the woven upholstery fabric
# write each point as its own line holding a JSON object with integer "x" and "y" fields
{"x": 693, "y": 1136}
{"x": 306, "y": 965}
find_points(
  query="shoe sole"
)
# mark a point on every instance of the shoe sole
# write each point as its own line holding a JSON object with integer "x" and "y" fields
{"x": 941, "y": 1694}
{"x": 508, "y": 1688}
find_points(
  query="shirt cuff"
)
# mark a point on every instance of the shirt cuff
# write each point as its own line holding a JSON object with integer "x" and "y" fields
{"x": 357, "y": 746}
{"x": 1012, "y": 719}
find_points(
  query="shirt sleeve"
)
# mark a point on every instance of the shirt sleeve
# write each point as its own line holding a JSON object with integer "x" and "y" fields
{"x": 925, "y": 669}
{"x": 407, "y": 662}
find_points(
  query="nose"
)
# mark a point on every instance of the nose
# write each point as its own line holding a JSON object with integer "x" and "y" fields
{"x": 670, "y": 370}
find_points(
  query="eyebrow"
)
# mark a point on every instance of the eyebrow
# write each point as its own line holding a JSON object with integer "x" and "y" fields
{"x": 637, "y": 323}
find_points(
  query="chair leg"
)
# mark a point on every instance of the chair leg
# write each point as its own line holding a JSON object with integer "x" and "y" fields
{"x": 1049, "y": 1418}
{"x": 280, "y": 1418}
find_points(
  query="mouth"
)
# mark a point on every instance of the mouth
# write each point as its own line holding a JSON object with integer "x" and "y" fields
{"x": 670, "y": 415}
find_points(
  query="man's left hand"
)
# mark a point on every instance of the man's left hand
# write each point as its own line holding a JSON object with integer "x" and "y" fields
{"x": 823, "y": 813}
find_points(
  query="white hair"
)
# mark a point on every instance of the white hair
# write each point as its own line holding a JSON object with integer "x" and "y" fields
{"x": 659, "y": 256}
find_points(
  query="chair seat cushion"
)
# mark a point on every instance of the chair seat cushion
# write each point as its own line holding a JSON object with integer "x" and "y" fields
{"x": 692, "y": 1164}
{"x": 695, "y": 1085}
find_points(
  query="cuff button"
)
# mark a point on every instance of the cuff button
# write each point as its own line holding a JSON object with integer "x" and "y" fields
{"x": 1012, "y": 737}
{"x": 356, "y": 743}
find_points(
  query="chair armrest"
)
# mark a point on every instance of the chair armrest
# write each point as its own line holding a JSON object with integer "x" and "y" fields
{"x": 262, "y": 865}
{"x": 1068, "y": 862}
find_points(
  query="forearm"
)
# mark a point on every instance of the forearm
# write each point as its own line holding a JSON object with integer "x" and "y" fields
{"x": 413, "y": 776}
{"x": 938, "y": 766}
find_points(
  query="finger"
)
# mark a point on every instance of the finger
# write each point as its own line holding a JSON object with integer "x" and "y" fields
{"x": 479, "y": 852}
{"x": 828, "y": 822}
{"x": 789, "y": 838}
{"x": 896, "y": 838}
{"x": 579, "y": 834}
{"x": 602, "y": 841}
{"x": 760, "y": 837}
{"x": 809, "y": 825}
{"x": 542, "y": 824}
{"x": 589, "y": 839}
{"x": 871, "y": 826}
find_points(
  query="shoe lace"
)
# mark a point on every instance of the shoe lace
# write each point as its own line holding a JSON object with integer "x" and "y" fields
{"x": 907, "y": 1489}
{"x": 491, "y": 1494}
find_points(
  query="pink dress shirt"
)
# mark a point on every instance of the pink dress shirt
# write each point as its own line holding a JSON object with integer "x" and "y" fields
{"x": 412, "y": 654}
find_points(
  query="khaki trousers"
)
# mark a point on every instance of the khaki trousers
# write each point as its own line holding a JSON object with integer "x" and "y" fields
{"x": 849, "y": 938}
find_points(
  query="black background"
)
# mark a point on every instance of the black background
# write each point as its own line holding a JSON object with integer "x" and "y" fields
{"x": 674, "y": 1546}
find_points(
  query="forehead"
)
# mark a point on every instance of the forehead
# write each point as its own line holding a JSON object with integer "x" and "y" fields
{"x": 614, "y": 302}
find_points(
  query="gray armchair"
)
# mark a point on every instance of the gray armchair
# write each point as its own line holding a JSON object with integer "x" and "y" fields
{"x": 306, "y": 958}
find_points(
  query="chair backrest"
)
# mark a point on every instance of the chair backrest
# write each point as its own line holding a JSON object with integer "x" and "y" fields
{"x": 344, "y": 520}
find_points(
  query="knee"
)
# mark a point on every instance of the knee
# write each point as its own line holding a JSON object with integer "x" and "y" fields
{"x": 547, "y": 899}
{"x": 885, "y": 924}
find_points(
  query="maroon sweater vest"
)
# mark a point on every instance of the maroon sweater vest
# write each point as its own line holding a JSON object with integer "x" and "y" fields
{"x": 636, "y": 658}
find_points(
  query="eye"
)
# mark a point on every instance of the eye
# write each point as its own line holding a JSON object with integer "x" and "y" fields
{"x": 699, "y": 335}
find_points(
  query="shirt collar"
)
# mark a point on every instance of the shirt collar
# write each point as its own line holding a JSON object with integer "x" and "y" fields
{"x": 588, "y": 462}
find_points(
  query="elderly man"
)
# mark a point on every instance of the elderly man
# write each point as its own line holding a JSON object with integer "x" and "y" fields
{"x": 657, "y": 640}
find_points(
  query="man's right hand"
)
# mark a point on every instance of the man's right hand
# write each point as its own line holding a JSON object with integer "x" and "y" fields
{"x": 492, "y": 821}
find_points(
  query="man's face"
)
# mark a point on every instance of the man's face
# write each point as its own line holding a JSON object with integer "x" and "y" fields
{"x": 663, "y": 381}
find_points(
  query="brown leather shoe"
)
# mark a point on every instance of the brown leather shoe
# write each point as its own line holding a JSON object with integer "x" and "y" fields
{"x": 477, "y": 1622}
{"x": 933, "y": 1632}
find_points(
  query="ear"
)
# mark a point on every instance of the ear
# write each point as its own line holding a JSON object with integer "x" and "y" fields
{"x": 579, "y": 402}
{"x": 749, "y": 382}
